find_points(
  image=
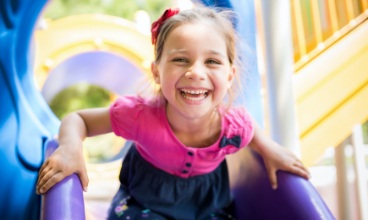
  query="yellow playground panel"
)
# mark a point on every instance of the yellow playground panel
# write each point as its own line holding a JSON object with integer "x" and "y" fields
{"x": 60, "y": 39}
{"x": 331, "y": 94}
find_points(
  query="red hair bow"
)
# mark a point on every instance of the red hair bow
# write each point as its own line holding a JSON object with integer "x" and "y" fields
{"x": 155, "y": 28}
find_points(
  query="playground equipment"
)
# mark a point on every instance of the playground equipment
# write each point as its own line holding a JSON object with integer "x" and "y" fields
{"x": 28, "y": 126}
{"x": 331, "y": 93}
{"x": 97, "y": 49}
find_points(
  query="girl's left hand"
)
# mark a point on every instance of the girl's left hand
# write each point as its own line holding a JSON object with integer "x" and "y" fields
{"x": 277, "y": 158}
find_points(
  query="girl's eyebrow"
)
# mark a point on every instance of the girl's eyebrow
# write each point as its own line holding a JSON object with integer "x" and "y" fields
{"x": 177, "y": 51}
{"x": 215, "y": 52}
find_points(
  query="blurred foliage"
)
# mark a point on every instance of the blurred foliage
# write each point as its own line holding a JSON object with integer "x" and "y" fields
{"x": 79, "y": 96}
{"x": 365, "y": 132}
{"x": 104, "y": 147}
{"x": 120, "y": 8}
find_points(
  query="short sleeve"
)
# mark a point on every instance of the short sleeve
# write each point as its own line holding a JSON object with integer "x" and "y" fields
{"x": 248, "y": 127}
{"x": 239, "y": 123}
{"x": 125, "y": 116}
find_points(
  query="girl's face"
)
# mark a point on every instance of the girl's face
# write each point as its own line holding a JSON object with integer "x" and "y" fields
{"x": 194, "y": 71}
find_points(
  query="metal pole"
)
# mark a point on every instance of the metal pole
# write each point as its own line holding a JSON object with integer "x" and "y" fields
{"x": 276, "y": 43}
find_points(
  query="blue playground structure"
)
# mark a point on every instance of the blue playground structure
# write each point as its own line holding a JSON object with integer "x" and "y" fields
{"x": 28, "y": 127}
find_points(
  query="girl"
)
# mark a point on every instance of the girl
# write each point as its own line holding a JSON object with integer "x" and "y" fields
{"x": 176, "y": 168}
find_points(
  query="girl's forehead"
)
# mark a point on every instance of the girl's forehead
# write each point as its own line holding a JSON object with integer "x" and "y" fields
{"x": 197, "y": 24}
{"x": 196, "y": 34}
{"x": 195, "y": 31}
{"x": 195, "y": 38}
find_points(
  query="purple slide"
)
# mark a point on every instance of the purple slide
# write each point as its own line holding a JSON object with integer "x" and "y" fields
{"x": 295, "y": 198}
{"x": 64, "y": 200}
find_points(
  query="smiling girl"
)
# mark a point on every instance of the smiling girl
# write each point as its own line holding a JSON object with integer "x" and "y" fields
{"x": 176, "y": 168}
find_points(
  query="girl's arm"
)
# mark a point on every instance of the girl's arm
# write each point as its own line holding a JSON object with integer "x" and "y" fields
{"x": 68, "y": 157}
{"x": 276, "y": 157}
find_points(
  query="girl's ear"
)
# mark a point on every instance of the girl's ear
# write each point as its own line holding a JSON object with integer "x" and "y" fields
{"x": 155, "y": 72}
{"x": 231, "y": 75}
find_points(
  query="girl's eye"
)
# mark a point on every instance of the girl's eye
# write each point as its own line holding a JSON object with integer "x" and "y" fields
{"x": 180, "y": 60}
{"x": 211, "y": 61}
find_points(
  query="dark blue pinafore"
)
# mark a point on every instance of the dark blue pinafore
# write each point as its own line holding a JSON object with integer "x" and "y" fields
{"x": 150, "y": 193}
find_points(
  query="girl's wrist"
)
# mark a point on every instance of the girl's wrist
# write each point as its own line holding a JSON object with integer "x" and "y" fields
{"x": 263, "y": 147}
{"x": 72, "y": 144}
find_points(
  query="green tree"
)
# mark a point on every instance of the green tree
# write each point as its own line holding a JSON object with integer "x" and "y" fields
{"x": 365, "y": 132}
{"x": 120, "y": 8}
{"x": 77, "y": 97}
{"x": 81, "y": 96}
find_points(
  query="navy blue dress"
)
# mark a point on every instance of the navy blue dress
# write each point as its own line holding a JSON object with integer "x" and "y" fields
{"x": 149, "y": 193}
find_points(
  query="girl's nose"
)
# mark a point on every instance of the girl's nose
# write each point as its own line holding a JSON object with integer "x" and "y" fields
{"x": 195, "y": 72}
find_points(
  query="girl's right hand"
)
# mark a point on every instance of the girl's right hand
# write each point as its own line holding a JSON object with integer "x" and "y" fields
{"x": 60, "y": 164}
{"x": 68, "y": 157}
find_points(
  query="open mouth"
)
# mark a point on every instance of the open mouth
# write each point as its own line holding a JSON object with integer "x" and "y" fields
{"x": 194, "y": 95}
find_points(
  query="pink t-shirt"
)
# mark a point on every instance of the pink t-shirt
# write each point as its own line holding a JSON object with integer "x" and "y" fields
{"x": 133, "y": 118}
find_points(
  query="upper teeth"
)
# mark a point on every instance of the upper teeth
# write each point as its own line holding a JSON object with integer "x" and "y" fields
{"x": 194, "y": 91}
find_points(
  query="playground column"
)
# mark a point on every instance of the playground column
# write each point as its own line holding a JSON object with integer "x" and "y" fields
{"x": 360, "y": 171}
{"x": 274, "y": 23}
{"x": 342, "y": 182}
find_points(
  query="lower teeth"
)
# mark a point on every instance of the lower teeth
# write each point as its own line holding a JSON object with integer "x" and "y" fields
{"x": 194, "y": 98}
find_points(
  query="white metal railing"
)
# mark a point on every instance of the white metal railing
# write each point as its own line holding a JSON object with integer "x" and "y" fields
{"x": 360, "y": 171}
{"x": 359, "y": 153}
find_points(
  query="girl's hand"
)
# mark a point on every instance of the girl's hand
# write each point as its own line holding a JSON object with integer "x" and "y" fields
{"x": 60, "y": 164}
{"x": 277, "y": 158}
